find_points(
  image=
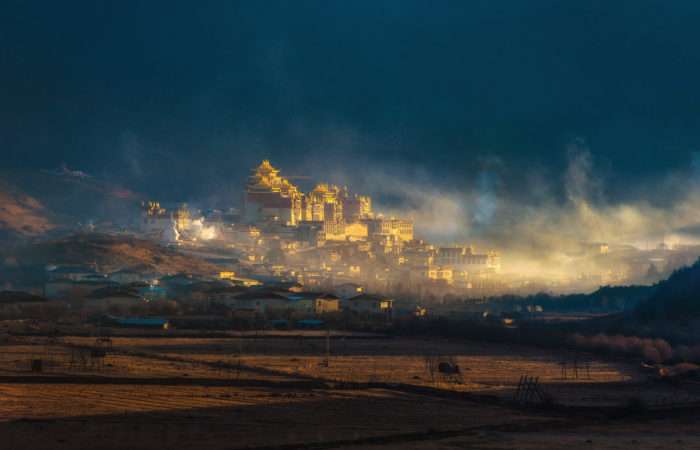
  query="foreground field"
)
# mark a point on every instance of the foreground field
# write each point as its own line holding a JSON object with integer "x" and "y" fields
{"x": 193, "y": 419}
{"x": 274, "y": 392}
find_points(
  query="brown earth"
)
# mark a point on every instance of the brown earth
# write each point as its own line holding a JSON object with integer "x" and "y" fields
{"x": 252, "y": 393}
{"x": 22, "y": 214}
{"x": 112, "y": 252}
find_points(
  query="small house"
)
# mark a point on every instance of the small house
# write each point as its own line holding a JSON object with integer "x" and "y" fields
{"x": 261, "y": 302}
{"x": 326, "y": 303}
{"x": 225, "y": 294}
{"x": 301, "y": 304}
{"x": 370, "y": 304}
{"x": 314, "y": 303}
{"x": 117, "y": 296}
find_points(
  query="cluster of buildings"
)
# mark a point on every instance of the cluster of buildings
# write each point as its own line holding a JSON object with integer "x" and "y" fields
{"x": 141, "y": 291}
{"x": 174, "y": 223}
{"x": 330, "y": 211}
{"x": 327, "y": 236}
{"x": 330, "y": 236}
{"x": 321, "y": 238}
{"x": 289, "y": 254}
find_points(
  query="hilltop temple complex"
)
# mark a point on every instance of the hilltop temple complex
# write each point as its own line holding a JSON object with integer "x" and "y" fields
{"x": 269, "y": 197}
{"x": 322, "y": 237}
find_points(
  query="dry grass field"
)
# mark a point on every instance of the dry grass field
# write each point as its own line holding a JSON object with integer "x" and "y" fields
{"x": 487, "y": 368}
{"x": 274, "y": 392}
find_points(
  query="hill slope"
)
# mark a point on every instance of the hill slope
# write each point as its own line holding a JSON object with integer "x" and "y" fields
{"x": 678, "y": 297}
{"x": 35, "y": 202}
{"x": 21, "y": 214}
{"x": 110, "y": 253}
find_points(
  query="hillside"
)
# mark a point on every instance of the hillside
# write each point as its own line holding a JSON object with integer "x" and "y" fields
{"x": 110, "y": 252}
{"x": 606, "y": 299}
{"x": 21, "y": 214}
{"x": 35, "y": 202}
{"x": 678, "y": 297}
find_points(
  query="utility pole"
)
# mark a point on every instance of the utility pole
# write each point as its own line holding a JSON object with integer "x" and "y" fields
{"x": 327, "y": 361}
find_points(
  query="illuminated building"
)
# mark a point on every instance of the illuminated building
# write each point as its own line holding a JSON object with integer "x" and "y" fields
{"x": 156, "y": 221}
{"x": 182, "y": 218}
{"x": 418, "y": 255}
{"x": 153, "y": 209}
{"x": 399, "y": 228}
{"x": 356, "y": 207}
{"x": 323, "y": 204}
{"x": 356, "y": 231}
{"x": 464, "y": 258}
{"x": 445, "y": 274}
{"x": 269, "y": 196}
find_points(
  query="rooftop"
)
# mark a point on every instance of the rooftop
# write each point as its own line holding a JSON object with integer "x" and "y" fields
{"x": 369, "y": 298}
{"x": 113, "y": 291}
{"x": 261, "y": 295}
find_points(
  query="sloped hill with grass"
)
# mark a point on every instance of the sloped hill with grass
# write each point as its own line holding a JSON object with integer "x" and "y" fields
{"x": 22, "y": 214}
{"x": 33, "y": 203}
{"x": 111, "y": 252}
{"x": 677, "y": 298}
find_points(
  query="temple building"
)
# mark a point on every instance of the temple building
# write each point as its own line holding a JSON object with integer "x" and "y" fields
{"x": 356, "y": 207}
{"x": 269, "y": 196}
{"x": 182, "y": 218}
{"x": 159, "y": 223}
{"x": 400, "y": 229}
{"x": 323, "y": 204}
{"x": 464, "y": 258}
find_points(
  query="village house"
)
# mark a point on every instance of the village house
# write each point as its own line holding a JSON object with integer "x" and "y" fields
{"x": 225, "y": 294}
{"x": 370, "y": 304}
{"x": 326, "y": 303}
{"x": 200, "y": 290}
{"x": 260, "y": 302}
{"x": 301, "y": 304}
{"x": 286, "y": 286}
{"x": 312, "y": 303}
{"x": 115, "y": 296}
{"x": 175, "y": 284}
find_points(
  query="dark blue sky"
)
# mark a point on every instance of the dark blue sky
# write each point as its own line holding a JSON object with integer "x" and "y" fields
{"x": 180, "y": 98}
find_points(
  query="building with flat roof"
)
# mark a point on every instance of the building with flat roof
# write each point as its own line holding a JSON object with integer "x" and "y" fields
{"x": 402, "y": 229}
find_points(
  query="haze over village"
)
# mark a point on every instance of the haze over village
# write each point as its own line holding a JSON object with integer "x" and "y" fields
{"x": 331, "y": 235}
{"x": 335, "y": 240}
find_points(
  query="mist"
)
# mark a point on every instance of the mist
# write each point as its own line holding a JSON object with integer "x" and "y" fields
{"x": 543, "y": 221}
